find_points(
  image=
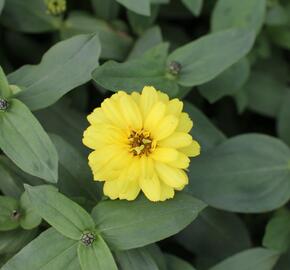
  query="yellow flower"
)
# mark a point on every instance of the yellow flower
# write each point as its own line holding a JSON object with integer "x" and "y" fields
{"x": 140, "y": 142}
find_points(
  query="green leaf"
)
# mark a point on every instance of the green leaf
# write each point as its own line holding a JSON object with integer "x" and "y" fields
{"x": 96, "y": 257}
{"x": 65, "y": 66}
{"x": 133, "y": 75}
{"x": 140, "y": 23}
{"x": 136, "y": 259}
{"x": 13, "y": 241}
{"x": 29, "y": 16}
{"x": 265, "y": 93}
{"x": 277, "y": 235}
{"x": 283, "y": 263}
{"x": 48, "y": 251}
{"x": 203, "y": 130}
{"x": 235, "y": 14}
{"x": 115, "y": 44}
{"x": 107, "y": 10}
{"x": 140, "y": 7}
{"x": 29, "y": 218}
{"x": 9, "y": 217}
{"x": 25, "y": 142}
{"x": 126, "y": 225}
{"x": 2, "y": 2}
{"x": 5, "y": 91}
{"x": 276, "y": 15}
{"x": 251, "y": 259}
{"x": 175, "y": 263}
{"x": 151, "y": 38}
{"x": 214, "y": 236}
{"x": 10, "y": 184}
{"x": 227, "y": 83}
{"x": 75, "y": 178}
{"x": 60, "y": 212}
{"x": 194, "y": 6}
{"x": 66, "y": 121}
{"x": 205, "y": 58}
{"x": 283, "y": 125}
{"x": 156, "y": 253}
{"x": 248, "y": 173}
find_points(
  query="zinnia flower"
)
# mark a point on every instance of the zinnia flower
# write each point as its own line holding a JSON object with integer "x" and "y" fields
{"x": 140, "y": 142}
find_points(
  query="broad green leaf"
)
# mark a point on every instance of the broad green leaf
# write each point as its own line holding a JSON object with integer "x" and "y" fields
{"x": 265, "y": 93}
{"x": 203, "y": 130}
{"x": 107, "y": 10}
{"x": 251, "y": 259}
{"x": 75, "y": 177}
{"x": 126, "y": 225}
{"x": 280, "y": 36}
{"x": 13, "y": 241}
{"x": 214, "y": 236}
{"x": 283, "y": 263}
{"x": 9, "y": 213}
{"x": 194, "y": 6}
{"x": 283, "y": 124}
{"x": 5, "y": 91}
{"x": 19, "y": 176}
{"x": 140, "y": 23}
{"x": 29, "y": 218}
{"x": 115, "y": 44}
{"x": 2, "y": 2}
{"x": 60, "y": 212}
{"x": 140, "y": 7}
{"x": 96, "y": 257}
{"x": 248, "y": 173}
{"x": 26, "y": 143}
{"x": 205, "y": 58}
{"x": 276, "y": 15}
{"x": 28, "y": 16}
{"x": 10, "y": 184}
{"x": 277, "y": 235}
{"x": 136, "y": 259}
{"x": 133, "y": 75}
{"x": 175, "y": 263}
{"x": 248, "y": 14}
{"x": 65, "y": 66}
{"x": 49, "y": 251}
{"x": 157, "y": 255}
{"x": 151, "y": 38}
{"x": 66, "y": 121}
{"x": 227, "y": 83}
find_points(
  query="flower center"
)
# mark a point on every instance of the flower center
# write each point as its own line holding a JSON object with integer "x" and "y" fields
{"x": 141, "y": 143}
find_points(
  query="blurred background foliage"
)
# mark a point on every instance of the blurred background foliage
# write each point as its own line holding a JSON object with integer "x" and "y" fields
{"x": 243, "y": 88}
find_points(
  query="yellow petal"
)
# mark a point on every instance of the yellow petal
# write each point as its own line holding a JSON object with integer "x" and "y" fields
{"x": 163, "y": 97}
{"x": 113, "y": 113}
{"x": 112, "y": 189}
{"x": 171, "y": 176}
{"x": 176, "y": 140}
{"x": 149, "y": 182}
{"x": 155, "y": 115}
{"x": 131, "y": 191}
{"x": 97, "y": 117}
{"x": 165, "y": 128}
{"x": 174, "y": 107}
{"x": 163, "y": 154}
{"x": 182, "y": 161}
{"x": 131, "y": 112}
{"x": 185, "y": 124}
{"x": 148, "y": 98}
{"x": 167, "y": 192}
{"x": 93, "y": 138}
{"x": 192, "y": 150}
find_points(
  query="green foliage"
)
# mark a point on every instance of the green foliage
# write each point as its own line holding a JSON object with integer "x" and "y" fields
{"x": 228, "y": 61}
{"x": 120, "y": 222}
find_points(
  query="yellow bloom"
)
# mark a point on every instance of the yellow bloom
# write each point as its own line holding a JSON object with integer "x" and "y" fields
{"x": 140, "y": 142}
